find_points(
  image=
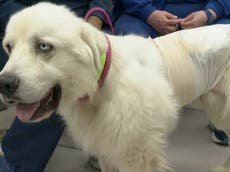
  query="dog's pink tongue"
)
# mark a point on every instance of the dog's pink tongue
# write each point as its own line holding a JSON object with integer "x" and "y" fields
{"x": 25, "y": 111}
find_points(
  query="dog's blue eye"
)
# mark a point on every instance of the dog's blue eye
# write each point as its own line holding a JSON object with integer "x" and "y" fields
{"x": 45, "y": 47}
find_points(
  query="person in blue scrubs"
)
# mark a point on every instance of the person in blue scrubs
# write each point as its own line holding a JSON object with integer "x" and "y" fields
{"x": 159, "y": 17}
{"x": 28, "y": 147}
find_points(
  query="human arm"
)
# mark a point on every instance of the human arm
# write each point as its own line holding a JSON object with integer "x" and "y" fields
{"x": 163, "y": 21}
{"x": 214, "y": 9}
{"x": 147, "y": 11}
{"x": 218, "y": 7}
{"x": 96, "y": 18}
{"x": 195, "y": 19}
{"x": 226, "y": 7}
{"x": 141, "y": 9}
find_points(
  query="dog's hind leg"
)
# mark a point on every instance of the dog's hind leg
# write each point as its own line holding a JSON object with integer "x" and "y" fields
{"x": 216, "y": 104}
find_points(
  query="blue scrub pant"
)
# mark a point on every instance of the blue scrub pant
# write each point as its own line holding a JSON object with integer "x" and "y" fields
{"x": 28, "y": 147}
{"x": 128, "y": 24}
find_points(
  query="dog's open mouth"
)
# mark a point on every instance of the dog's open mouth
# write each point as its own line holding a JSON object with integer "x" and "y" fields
{"x": 40, "y": 108}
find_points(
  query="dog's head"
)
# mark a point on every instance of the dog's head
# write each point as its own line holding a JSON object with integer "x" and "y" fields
{"x": 52, "y": 60}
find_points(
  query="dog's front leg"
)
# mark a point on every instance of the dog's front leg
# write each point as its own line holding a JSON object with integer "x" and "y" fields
{"x": 223, "y": 168}
{"x": 106, "y": 166}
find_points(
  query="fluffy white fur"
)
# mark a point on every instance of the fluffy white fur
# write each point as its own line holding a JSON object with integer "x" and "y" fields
{"x": 126, "y": 122}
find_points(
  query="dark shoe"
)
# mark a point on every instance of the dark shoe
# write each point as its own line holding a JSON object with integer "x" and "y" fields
{"x": 5, "y": 166}
{"x": 220, "y": 137}
{"x": 93, "y": 162}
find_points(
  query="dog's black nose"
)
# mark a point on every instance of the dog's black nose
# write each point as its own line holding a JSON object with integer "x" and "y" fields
{"x": 8, "y": 84}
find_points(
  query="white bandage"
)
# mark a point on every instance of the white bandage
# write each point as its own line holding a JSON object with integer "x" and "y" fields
{"x": 193, "y": 68}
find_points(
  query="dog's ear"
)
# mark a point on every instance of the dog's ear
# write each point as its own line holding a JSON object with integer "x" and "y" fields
{"x": 95, "y": 42}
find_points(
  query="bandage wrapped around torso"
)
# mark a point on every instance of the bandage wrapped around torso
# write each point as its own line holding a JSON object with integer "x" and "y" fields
{"x": 195, "y": 59}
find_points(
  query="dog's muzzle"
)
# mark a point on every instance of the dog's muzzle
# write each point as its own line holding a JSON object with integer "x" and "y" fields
{"x": 40, "y": 108}
{"x": 8, "y": 84}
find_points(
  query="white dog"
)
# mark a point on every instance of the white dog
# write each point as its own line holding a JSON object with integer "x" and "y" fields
{"x": 119, "y": 96}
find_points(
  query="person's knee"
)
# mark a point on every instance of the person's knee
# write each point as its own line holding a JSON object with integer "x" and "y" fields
{"x": 122, "y": 26}
{"x": 126, "y": 24}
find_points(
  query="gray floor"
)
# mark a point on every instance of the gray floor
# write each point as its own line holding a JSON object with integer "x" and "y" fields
{"x": 190, "y": 148}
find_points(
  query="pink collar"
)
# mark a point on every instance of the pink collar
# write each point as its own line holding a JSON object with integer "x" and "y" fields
{"x": 105, "y": 69}
{"x": 107, "y": 63}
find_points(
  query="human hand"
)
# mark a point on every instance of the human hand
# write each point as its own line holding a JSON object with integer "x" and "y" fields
{"x": 163, "y": 21}
{"x": 96, "y": 22}
{"x": 195, "y": 19}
